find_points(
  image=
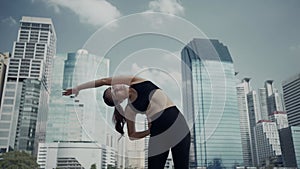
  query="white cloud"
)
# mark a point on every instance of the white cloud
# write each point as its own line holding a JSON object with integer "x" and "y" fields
{"x": 93, "y": 12}
{"x": 9, "y": 20}
{"x": 165, "y": 71}
{"x": 166, "y": 6}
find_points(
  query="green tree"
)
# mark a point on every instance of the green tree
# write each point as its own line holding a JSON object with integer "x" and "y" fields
{"x": 111, "y": 167}
{"x": 93, "y": 166}
{"x": 17, "y": 160}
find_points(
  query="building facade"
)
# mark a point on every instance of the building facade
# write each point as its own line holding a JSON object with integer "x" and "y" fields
{"x": 290, "y": 146}
{"x": 81, "y": 118}
{"x": 75, "y": 155}
{"x": 210, "y": 103}
{"x": 65, "y": 113}
{"x": 3, "y": 65}
{"x": 262, "y": 95}
{"x": 291, "y": 88}
{"x": 290, "y": 137}
{"x": 27, "y": 86}
{"x": 270, "y": 99}
{"x": 280, "y": 118}
{"x": 253, "y": 116}
{"x": 84, "y": 118}
{"x": 249, "y": 112}
{"x": 267, "y": 143}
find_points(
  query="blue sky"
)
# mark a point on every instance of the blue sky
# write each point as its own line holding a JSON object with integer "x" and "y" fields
{"x": 262, "y": 36}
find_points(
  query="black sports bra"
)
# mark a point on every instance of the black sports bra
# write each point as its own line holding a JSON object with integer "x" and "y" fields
{"x": 144, "y": 91}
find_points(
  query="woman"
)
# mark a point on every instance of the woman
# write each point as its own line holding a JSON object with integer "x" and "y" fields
{"x": 167, "y": 127}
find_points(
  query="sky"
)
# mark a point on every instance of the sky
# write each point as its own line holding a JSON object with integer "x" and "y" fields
{"x": 262, "y": 36}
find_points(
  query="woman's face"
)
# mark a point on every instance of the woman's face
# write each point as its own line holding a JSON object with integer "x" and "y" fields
{"x": 119, "y": 92}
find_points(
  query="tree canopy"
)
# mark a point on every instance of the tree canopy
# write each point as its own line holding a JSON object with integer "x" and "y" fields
{"x": 17, "y": 160}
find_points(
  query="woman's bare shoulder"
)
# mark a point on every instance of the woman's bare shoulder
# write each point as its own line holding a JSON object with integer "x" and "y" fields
{"x": 137, "y": 80}
{"x": 125, "y": 79}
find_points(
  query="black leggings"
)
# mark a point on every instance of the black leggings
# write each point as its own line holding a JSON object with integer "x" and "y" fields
{"x": 169, "y": 130}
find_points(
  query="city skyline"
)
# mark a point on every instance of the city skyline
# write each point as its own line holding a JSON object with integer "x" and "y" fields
{"x": 133, "y": 63}
{"x": 261, "y": 36}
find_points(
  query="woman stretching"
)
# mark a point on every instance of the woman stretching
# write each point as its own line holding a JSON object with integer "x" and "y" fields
{"x": 166, "y": 125}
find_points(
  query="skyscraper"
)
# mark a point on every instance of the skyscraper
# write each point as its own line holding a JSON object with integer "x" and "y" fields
{"x": 290, "y": 137}
{"x": 291, "y": 88}
{"x": 87, "y": 110}
{"x": 262, "y": 95}
{"x": 271, "y": 100}
{"x": 25, "y": 100}
{"x": 249, "y": 111}
{"x": 210, "y": 104}
{"x": 69, "y": 68}
{"x": 64, "y": 123}
{"x": 290, "y": 146}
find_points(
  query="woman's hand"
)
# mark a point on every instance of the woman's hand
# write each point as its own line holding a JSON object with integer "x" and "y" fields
{"x": 68, "y": 92}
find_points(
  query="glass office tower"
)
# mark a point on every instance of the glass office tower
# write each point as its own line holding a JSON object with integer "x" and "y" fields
{"x": 64, "y": 123}
{"x": 210, "y": 104}
{"x": 81, "y": 118}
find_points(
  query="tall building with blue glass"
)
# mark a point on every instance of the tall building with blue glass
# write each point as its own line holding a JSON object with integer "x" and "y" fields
{"x": 69, "y": 68}
{"x": 81, "y": 118}
{"x": 210, "y": 104}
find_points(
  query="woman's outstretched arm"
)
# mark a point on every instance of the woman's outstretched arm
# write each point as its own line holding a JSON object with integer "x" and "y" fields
{"x": 87, "y": 85}
{"x": 102, "y": 82}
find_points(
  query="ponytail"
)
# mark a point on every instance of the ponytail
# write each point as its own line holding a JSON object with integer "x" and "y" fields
{"x": 119, "y": 119}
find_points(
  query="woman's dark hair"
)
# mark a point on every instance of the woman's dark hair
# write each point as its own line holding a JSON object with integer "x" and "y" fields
{"x": 118, "y": 118}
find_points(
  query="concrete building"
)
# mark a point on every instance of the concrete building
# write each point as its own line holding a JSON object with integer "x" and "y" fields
{"x": 290, "y": 146}
{"x": 75, "y": 155}
{"x": 27, "y": 86}
{"x": 249, "y": 113}
{"x": 267, "y": 143}
{"x": 280, "y": 118}
{"x": 4, "y": 57}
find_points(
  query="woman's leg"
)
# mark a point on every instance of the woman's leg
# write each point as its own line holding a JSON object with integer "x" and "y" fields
{"x": 181, "y": 153}
{"x": 158, "y": 161}
{"x": 169, "y": 130}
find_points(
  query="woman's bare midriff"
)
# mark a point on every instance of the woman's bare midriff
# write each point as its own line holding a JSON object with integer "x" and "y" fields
{"x": 159, "y": 101}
